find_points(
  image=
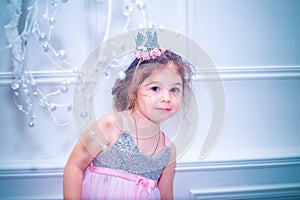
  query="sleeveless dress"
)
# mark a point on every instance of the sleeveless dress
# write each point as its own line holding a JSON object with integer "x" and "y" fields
{"x": 125, "y": 172}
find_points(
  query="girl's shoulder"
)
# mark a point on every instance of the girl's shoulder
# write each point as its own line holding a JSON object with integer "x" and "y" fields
{"x": 109, "y": 124}
{"x": 109, "y": 119}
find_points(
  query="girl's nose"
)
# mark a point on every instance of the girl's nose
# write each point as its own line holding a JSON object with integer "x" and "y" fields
{"x": 166, "y": 97}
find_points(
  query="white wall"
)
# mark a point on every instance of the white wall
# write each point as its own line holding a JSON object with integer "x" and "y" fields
{"x": 248, "y": 33}
{"x": 255, "y": 46}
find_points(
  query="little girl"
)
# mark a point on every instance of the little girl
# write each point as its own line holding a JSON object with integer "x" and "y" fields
{"x": 125, "y": 155}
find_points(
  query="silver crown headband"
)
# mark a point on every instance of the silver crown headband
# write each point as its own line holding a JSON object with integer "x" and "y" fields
{"x": 147, "y": 46}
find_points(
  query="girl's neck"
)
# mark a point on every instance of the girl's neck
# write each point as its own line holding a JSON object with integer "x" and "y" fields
{"x": 144, "y": 126}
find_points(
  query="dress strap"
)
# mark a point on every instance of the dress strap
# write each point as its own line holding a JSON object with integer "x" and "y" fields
{"x": 125, "y": 122}
{"x": 167, "y": 140}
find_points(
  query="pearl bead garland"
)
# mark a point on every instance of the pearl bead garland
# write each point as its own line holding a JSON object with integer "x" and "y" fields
{"x": 24, "y": 85}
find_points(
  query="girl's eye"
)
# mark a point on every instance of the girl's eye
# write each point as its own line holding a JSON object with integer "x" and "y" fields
{"x": 155, "y": 89}
{"x": 176, "y": 90}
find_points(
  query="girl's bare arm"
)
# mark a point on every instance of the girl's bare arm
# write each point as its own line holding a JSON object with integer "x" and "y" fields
{"x": 85, "y": 151}
{"x": 73, "y": 173}
{"x": 165, "y": 183}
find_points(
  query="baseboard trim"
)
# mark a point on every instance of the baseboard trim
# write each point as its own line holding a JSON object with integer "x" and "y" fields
{"x": 254, "y": 192}
{"x": 44, "y": 197}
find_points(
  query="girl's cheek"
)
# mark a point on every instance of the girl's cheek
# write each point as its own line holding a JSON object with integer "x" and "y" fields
{"x": 178, "y": 98}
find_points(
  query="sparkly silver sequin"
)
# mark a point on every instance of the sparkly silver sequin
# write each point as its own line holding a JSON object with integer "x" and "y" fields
{"x": 126, "y": 156}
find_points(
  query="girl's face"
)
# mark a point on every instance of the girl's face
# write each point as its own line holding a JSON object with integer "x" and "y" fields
{"x": 159, "y": 96}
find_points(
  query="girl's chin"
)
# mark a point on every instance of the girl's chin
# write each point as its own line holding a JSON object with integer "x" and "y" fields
{"x": 162, "y": 117}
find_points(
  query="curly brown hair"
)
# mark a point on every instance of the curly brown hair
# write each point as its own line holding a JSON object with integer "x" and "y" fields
{"x": 124, "y": 90}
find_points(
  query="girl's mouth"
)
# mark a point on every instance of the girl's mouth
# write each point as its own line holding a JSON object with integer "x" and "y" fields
{"x": 164, "y": 109}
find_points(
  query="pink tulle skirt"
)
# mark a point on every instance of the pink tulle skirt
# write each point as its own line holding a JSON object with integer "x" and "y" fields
{"x": 103, "y": 183}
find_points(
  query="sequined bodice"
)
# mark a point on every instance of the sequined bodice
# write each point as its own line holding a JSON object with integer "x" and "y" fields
{"x": 126, "y": 156}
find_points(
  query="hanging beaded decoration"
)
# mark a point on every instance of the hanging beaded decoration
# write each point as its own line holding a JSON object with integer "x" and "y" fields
{"x": 24, "y": 85}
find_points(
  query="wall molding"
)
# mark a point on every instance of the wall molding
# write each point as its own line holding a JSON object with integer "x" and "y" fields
{"x": 46, "y": 183}
{"x": 241, "y": 73}
{"x": 205, "y": 74}
{"x": 273, "y": 178}
{"x": 249, "y": 192}
{"x": 41, "y": 77}
{"x": 31, "y": 173}
{"x": 180, "y": 167}
{"x": 237, "y": 164}
{"x": 31, "y": 184}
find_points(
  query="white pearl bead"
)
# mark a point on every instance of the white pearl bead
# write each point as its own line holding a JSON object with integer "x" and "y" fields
{"x": 62, "y": 54}
{"x": 122, "y": 75}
